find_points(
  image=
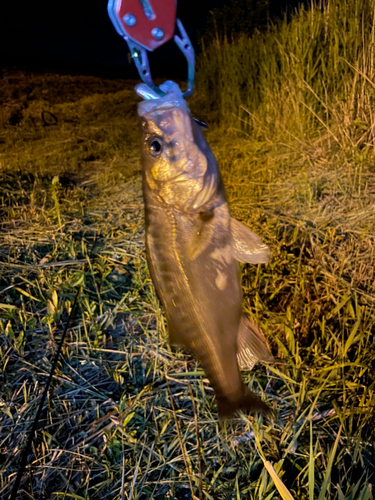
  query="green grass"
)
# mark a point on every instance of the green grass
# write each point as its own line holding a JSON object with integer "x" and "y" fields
{"x": 129, "y": 417}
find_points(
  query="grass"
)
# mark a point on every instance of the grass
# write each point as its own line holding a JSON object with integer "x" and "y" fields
{"x": 128, "y": 417}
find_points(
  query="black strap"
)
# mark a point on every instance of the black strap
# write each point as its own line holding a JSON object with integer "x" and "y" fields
{"x": 30, "y": 439}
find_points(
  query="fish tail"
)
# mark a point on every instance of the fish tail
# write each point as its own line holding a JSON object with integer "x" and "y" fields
{"x": 248, "y": 402}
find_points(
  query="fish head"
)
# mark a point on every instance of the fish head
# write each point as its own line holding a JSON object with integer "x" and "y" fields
{"x": 178, "y": 164}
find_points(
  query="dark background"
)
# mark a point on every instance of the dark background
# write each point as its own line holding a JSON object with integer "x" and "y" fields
{"x": 78, "y": 36}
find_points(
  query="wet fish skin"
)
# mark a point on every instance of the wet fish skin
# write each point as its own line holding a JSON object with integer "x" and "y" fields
{"x": 193, "y": 246}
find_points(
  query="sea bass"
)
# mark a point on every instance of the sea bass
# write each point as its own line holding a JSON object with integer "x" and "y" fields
{"x": 193, "y": 246}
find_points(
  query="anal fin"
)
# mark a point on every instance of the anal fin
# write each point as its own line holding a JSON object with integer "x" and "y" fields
{"x": 251, "y": 346}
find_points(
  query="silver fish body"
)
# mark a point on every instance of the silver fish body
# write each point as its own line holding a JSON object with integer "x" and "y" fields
{"x": 192, "y": 248}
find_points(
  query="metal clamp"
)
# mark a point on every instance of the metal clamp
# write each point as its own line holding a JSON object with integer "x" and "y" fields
{"x": 146, "y": 27}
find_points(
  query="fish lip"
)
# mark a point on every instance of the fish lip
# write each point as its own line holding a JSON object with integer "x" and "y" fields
{"x": 157, "y": 109}
{"x": 172, "y": 99}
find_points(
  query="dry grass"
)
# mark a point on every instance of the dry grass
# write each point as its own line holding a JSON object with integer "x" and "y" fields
{"x": 127, "y": 416}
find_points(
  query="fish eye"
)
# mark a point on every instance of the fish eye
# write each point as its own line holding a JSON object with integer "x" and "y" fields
{"x": 154, "y": 146}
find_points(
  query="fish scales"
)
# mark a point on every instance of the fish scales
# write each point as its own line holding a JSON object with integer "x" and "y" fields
{"x": 192, "y": 250}
{"x": 186, "y": 295}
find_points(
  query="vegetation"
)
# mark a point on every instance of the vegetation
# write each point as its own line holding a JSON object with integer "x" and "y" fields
{"x": 231, "y": 17}
{"x": 291, "y": 115}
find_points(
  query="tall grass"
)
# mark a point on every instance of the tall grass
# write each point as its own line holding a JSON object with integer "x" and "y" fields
{"x": 315, "y": 70}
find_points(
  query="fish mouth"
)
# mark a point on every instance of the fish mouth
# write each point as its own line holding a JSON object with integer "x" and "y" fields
{"x": 172, "y": 99}
{"x": 159, "y": 108}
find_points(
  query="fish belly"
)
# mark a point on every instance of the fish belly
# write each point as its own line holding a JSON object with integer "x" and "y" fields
{"x": 201, "y": 297}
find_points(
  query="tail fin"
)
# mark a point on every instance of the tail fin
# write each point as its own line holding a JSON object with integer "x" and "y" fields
{"x": 249, "y": 402}
{"x": 252, "y": 346}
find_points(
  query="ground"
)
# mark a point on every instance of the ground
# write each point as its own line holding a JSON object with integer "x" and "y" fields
{"x": 128, "y": 417}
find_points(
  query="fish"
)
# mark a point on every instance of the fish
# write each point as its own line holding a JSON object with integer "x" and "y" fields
{"x": 193, "y": 247}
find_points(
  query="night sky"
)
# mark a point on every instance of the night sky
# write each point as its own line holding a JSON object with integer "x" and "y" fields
{"x": 78, "y": 34}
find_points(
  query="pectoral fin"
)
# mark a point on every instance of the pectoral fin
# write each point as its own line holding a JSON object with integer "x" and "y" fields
{"x": 252, "y": 346}
{"x": 247, "y": 246}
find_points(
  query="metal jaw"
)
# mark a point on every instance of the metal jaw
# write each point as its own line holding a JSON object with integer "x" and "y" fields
{"x": 146, "y": 26}
{"x": 186, "y": 48}
{"x": 139, "y": 56}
